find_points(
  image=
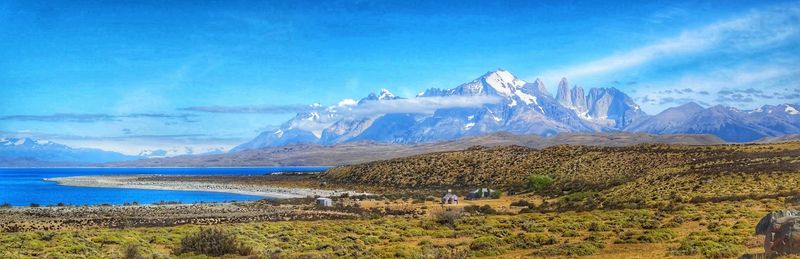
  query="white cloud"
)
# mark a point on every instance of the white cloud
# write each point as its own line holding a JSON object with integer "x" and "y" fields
{"x": 757, "y": 29}
{"x": 423, "y": 105}
{"x": 708, "y": 86}
{"x": 418, "y": 105}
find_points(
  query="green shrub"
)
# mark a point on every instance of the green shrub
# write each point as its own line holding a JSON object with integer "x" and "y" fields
{"x": 658, "y": 235}
{"x": 597, "y": 226}
{"x": 569, "y": 233}
{"x": 577, "y": 249}
{"x": 521, "y": 203}
{"x": 648, "y": 236}
{"x": 533, "y": 240}
{"x": 449, "y": 251}
{"x": 209, "y": 241}
{"x": 486, "y": 246}
{"x": 132, "y": 252}
{"x": 448, "y": 218}
{"x": 708, "y": 247}
{"x": 540, "y": 183}
{"x": 475, "y": 209}
{"x": 577, "y": 196}
{"x": 532, "y": 227}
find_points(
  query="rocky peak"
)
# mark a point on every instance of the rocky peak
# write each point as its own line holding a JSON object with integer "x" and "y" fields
{"x": 578, "y": 98}
{"x": 539, "y": 85}
{"x": 384, "y": 95}
{"x": 564, "y": 96}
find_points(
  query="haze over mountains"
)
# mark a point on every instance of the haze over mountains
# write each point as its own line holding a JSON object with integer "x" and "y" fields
{"x": 29, "y": 152}
{"x": 520, "y": 107}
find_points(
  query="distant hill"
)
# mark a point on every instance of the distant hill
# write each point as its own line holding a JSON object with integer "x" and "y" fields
{"x": 785, "y": 138}
{"x": 630, "y": 176}
{"x": 728, "y": 123}
{"x": 359, "y": 152}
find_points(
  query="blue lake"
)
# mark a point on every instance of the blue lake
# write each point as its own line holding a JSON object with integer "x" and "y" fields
{"x": 23, "y": 186}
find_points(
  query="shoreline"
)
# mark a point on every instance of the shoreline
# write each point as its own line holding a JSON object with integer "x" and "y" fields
{"x": 138, "y": 182}
{"x": 167, "y": 167}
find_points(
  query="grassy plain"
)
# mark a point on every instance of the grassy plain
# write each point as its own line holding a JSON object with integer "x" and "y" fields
{"x": 646, "y": 201}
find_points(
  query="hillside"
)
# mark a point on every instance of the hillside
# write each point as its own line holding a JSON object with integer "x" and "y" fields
{"x": 635, "y": 176}
{"x": 361, "y": 152}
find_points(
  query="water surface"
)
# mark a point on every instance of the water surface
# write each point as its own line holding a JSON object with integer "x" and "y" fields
{"x": 23, "y": 186}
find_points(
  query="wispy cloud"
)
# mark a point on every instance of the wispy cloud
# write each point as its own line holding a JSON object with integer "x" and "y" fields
{"x": 266, "y": 109}
{"x": 757, "y": 29}
{"x": 749, "y": 95}
{"x": 743, "y": 84}
{"x": 96, "y": 117}
{"x": 422, "y": 105}
{"x": 418, "y": 105}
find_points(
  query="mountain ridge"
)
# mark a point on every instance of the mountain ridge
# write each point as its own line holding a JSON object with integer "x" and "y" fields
{"x": 32, "y": 152}
{"x": 365, "y": 151}
{"x": 523, "y": 108}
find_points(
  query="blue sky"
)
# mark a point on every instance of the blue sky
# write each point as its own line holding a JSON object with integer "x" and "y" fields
{"x": 119, "y": 75}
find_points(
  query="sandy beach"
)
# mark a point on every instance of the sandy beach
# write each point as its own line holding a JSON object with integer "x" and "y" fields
{"x": 146, "y": 182}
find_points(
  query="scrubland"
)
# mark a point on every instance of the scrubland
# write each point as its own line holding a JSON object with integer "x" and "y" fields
{"x": 645, "y": 201}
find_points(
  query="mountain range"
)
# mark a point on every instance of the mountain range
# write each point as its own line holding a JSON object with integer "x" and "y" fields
{"x": 32, "y": 152}
{"x": 495, "y": 108}
{"x": 520, "y": 107}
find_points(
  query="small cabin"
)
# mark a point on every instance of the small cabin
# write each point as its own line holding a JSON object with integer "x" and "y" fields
{"x": 324, "y": 202}
{"x": 480, "y": 193}
{"x": 450, "y": 198}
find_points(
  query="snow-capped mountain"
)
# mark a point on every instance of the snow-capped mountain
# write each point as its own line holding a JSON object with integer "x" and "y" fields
{"x": 518, "y": 107}
{"x": 47, "y": 151}
{"x": 730, "y": 124}
{"x": 608, "y": 107}
{"x": 522, "y": 107}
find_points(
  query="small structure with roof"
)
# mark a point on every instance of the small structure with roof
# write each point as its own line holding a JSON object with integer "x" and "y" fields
{"x": 324, "y": 202}
{"x": 450, "y": 198}
{"x": 480, "y": 193}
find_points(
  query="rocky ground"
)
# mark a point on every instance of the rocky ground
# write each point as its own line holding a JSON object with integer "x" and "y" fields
{"x": 25, "y": 219}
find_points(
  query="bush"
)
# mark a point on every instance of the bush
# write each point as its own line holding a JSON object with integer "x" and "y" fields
{"x": 448, "y": 218}
{"x": 578, "y": 249}
{"x": 475, "y": 209}
{"x": 598, "y": 226}
{"x": 209, "y": 241}
{"x": 521, "y": 203}
{"x": 132, "y": 252}
{"x": 569, "y": 233}
{"x": 533, "y": 240}
{"x": 532, "y": 227}
{"x": 34, "y": 205}
{"x": 5, "y": 205}
{"x": 708, "y": 247}
{"x": 577, "y": 196}
{"x": 649, "y": 236}
{"x": 486, "y": 246}
{"x": 540, "y": 183}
